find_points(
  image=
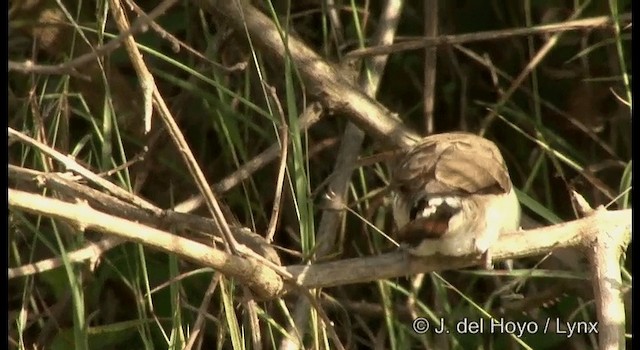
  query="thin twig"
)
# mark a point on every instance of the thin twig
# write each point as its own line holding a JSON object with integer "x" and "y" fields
{"x": 336, "y": 23}
{"x": 535, "y": 60}
{"x": 350, "y": 147}
{"x": 139, "y": 25}
{"x": 430, "y": 61}
{"x": 323, "y": 316}
{"x": 28, "y": 67}
{"x": 149, "y": 85}
{"x": 581, "y": 24}
{"x": 251, "y": 306}
{"x": 72, "y": 165}
{"x": 91, "y": 251}
{"x": 177, "y": 43}
{"x": 284, "y": 145}
{"x": 144, "y": 76}
{"x": 198, "y": 325}
{"x": 309, "y": 117}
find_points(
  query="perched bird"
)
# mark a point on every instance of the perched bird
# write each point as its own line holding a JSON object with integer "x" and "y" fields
{"x": 453, "y": 196}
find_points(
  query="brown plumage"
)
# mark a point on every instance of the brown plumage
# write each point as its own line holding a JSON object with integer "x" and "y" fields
{"x": 453, "y": 193}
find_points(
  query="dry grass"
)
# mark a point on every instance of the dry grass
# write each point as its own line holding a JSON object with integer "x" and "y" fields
{"x": 139, "y": 243}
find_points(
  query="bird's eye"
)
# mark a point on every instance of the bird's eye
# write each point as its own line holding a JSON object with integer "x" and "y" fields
{"x": 417, "y": 207}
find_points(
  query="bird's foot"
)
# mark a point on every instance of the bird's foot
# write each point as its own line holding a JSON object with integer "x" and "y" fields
{"x": 487, "y": 261}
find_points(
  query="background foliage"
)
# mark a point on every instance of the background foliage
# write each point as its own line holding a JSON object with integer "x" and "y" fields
{"x": 576, "y": 101}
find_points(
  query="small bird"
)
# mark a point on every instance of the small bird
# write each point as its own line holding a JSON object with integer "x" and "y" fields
{"x": 453, "y": 196}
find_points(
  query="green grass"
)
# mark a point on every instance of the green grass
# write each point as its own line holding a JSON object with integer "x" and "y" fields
{"x": 134, "y": 297}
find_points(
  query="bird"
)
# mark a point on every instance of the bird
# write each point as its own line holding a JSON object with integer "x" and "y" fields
{"x": 452, "y": 195}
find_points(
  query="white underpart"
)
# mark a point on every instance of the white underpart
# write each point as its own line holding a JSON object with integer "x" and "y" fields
{"x": 501, "y": 214}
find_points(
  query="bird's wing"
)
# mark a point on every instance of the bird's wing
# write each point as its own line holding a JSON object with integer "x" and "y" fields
{"x": 457, "y": 163}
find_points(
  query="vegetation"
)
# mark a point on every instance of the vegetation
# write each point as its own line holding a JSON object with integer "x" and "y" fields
{"x": 91, "y": 265}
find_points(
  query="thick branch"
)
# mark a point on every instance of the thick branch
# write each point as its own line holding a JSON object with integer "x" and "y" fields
{"x": 322, "y": 79}
{"x": 604, "y": 250}
{"x": 265, "y": 282}
{"x": 515, "y": 245}
{"x": 613, "y": 227}
{"x": 113, "y": 206}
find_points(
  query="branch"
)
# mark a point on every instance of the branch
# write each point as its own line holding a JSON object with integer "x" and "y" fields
{"x": 603, "y": 235}
{"x": 604, "y": 250}
{"x": 510, "y": 246}
{"x": 323, "y": 80}
{"x": 350, "y": 148}
{"x": 456, "y": 39}
{"x": 152, "y": 96}
{"x": 92, "y": 252}
{"x": 113, "y": 206}
{"x": 609, "y": 228}
{"x": 72, "y": 165}
{"x": 263, "y": 281}
{"x": 140, "y": 25}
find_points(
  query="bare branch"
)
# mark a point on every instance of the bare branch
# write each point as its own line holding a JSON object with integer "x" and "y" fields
{"x": 140, "y": 25}
{"x": 114, "y": 206}
{"x": 72, "y": 165}
{"x": 604, "y": 250}
{"x": 350, "y": 148}
{"x": 91, "y": 251}
{"x": 510, "y": 246}
{"x": 580, "y": 24}
{"x": 323, "y": 80}
{"x": 263, "y": 281}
